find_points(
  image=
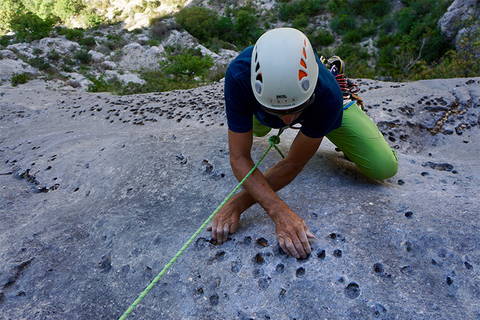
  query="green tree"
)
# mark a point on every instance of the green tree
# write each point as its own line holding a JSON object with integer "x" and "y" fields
{"x": 370, "y": 8}
{"x": 353, "y": 36}
{"x": 198, "y": 21}
{"x": 288, "y": 11}
{"x": 245, "y": 26}
{"x": 28, "y": 26}
{"x": 321, "y": 37}
{"x": 356, "y": 59}
{"x": 343, "y": 23}
{"x": 300, "y": 22}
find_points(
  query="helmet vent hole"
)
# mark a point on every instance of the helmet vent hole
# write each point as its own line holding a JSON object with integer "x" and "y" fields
{"x": 257, "y": 67}
{"x": 256, "y": 56}
{"x": 259, "y": 77}
{"x": 258, "y": 87}
{"x": 301, "y": 74}
{"x": 303, "y": 64}
{"x": 305, "y": 84}
{"x": 304, "y": 52}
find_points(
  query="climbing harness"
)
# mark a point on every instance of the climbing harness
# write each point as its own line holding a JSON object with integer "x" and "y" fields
{"x": 273, "y": 140}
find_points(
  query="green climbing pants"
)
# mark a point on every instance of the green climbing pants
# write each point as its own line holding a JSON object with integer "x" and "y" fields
{"x": 361, "y": 142}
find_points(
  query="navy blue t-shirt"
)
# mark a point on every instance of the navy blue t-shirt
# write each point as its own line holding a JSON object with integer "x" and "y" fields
{"x": 323, "y": 116}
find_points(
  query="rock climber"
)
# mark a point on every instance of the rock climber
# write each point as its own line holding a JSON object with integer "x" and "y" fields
{"x": 280, "y": 82}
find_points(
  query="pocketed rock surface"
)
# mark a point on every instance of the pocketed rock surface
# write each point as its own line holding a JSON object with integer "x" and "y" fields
{"x": 98, "y": 192}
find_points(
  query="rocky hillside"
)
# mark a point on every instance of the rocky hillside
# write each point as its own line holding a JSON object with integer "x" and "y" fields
{"x": 109, "y": 54}
{"x": 194, "y": 46}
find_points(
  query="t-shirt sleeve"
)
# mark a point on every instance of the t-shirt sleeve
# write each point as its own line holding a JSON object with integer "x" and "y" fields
{"x": 239, "y": 113}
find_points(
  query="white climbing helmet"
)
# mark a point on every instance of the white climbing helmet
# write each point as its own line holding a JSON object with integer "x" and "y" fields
{"x": 284, "y": 72}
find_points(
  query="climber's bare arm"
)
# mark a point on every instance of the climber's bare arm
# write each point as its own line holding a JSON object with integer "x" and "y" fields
{"x": 280, "y": 175}
{"x": 291, "y": 230}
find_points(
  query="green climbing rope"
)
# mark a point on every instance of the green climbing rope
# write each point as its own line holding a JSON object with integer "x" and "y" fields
{"x": 273, "y": 140}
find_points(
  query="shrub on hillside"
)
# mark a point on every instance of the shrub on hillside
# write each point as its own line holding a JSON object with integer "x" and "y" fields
{"x": 115, "y": 41}
{"x": 40, "y": 64}
{"x": 452, "y": 65}
{"x": 370, "y": 8}
{"x": 29, "y": 26}
{"x": 461, "y": 63}
{"x": 199, "y": 22}
{"x": 155, "y": 81}
{"x": 5, "y": 40}
{"x": 99, "y": 85}
{"x": 416, "y": 39}
{"x": 356, "y": 60}
{"x": 20, "y": 78}
{"x": 83, "y": 56}
{"x": 239, "y": 26}
{"x": 321, "y": 37}
{"x": 71, "y": 34}
{"x": 153, "y": 42}
{"x": 245, "y": 25}
{"x": 186, "y": 64}
{"x": 405, "y": 18}
{"x": 37, "y": 51}
{"x": 435, "y": 46}
{"x": 348, "y": 51}
{"x": 88, "y": 42}
{"x": 53, "y": 55}
{"x": 352, "y": 36}
{"x": 300, "y": 22}
{"x": 339, "y": 6}
{"x": 343, "y": 23}
{"x": 288, "y": 11}
{"x": 366, "y": 8}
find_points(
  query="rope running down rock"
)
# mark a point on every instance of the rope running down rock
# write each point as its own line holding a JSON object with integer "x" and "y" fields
{"x": 273, "y": 140}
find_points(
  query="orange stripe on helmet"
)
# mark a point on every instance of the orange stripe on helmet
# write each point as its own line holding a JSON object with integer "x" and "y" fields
{"x": 303, "y": 64}
{"x": 301, "y": 74}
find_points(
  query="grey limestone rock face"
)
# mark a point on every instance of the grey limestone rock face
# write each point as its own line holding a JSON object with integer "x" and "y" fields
{"x": 22, "y": 48}
{"x": 10, "y": 67}
{"x": 458, "y": 12}
{"x": 136, "y": 57}
{"x": 7, "y": 54}
{"x": 461, "y": 23}
{"x": 180, "y": 38}
{"x": 98, "y": 192}
{"x": 108, "y": 65}
{"x": 77, "y": 80}
{"x": 185, "y": 40}
{"x": 96, "y": 56}
{"x": 125, "y": 77}
{"x": 46, "y": 45}
{"x": 61, "y": 45}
